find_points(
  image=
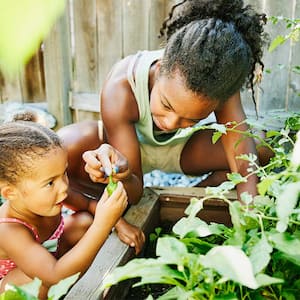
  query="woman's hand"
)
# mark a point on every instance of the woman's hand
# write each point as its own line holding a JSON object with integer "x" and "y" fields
{"x": 130, "y": 235}
{"x": 105, "y": 161}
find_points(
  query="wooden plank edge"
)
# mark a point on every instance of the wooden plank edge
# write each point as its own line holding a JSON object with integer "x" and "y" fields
{"x": 114, "y": 252}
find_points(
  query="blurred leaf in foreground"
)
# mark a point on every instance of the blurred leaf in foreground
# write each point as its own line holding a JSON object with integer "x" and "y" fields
{"x": 23, "y": 26}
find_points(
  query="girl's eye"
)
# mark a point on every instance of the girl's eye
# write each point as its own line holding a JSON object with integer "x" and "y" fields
{"x": 50, "y": 183}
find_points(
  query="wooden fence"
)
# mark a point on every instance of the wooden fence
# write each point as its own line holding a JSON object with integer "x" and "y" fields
{"x": 68, "y": 71}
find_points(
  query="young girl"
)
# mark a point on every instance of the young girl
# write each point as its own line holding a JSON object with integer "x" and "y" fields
{"x": 151, "y": 99}
{"x": 34, "y": 184}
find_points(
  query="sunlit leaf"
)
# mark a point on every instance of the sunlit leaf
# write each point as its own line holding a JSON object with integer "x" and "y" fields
{"x": 187, "y": 225}
{"x": 231, "y": 262}
{"x": 23, "y": 26}
{"x": 279, "y": 40}
{"x": 58, "y": 290}
{"x": 286, "y": 203}
{"x": 260, "y": 255}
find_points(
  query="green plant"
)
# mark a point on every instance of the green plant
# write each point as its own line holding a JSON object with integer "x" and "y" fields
{"x": 111, "y": 185}
{"x": 30, "y": 291}
{"x": 257, "y": 258}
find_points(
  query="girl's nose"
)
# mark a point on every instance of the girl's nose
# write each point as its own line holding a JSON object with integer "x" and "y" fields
{"x": 64, "y": 183}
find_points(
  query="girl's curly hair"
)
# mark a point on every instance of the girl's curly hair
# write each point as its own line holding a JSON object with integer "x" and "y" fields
{"x": 21, "y": 143}
{"x": 215, "y": 45}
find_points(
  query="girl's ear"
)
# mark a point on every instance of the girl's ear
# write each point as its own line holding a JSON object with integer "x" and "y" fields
{"x": 8, "y": 192}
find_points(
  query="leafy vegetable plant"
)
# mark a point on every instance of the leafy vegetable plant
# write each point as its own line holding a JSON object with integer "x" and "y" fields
{"x": 30, "y": 291}
{"x": 257, "y": 258}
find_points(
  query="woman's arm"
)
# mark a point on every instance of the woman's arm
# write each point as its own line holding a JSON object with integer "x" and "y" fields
{"x": 235, "y": 144}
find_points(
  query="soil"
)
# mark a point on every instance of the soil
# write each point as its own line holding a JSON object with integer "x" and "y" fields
{"x": 156, "y": 290}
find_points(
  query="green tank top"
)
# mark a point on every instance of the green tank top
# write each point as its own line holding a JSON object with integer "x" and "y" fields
{"x": 139, "y": 85}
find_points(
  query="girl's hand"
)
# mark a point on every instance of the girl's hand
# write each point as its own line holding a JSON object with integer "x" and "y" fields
{"x": 112, "y": 207}
{"x": 105, "y": 161}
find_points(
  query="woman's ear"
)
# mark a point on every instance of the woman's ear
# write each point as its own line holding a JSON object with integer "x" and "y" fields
{"x": 8, "y": 192}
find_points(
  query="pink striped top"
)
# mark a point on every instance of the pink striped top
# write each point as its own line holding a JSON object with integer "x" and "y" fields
{"x": 7, "y": 265}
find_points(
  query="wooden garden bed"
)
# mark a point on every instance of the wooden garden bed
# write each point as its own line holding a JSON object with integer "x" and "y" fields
{"x": 156, "y": 206}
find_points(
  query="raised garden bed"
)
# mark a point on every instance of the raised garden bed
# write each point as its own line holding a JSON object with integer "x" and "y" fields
{"x": 158, "y": 205}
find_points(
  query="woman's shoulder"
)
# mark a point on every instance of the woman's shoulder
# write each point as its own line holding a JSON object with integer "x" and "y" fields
{"x": 116, "y": 92}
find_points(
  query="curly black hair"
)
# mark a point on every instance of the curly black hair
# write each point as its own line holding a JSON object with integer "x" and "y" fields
{"x": 21, "y": 143}
{"x": 215, "y": 45}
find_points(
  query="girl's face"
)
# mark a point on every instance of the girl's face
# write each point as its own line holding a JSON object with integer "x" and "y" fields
{"x": 43, "y": 191}
{"x": 173, "y": 106}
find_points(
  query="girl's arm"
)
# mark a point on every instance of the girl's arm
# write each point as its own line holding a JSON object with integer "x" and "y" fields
{"x": 35, "y": 261}
{"x": 234, "y": 144}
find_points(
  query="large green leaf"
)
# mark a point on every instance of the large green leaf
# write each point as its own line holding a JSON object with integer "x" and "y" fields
{"x": 171, "y": 250}
{"x": 288, "y": 244}
{"x": 150, "y": 271}
{"x": 58, "y": 290}
{"x": 195, "y": 225}
{"x": 23, "y": 26}
{"x": 286, "y": 203}
{"x": 232, "y": 263}
{"x": 260, "y": 255}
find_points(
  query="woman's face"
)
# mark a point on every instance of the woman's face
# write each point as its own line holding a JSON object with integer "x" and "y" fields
{"x": 173, "y": 106}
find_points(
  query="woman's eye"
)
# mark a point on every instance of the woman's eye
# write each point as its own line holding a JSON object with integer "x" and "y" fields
{"x": 166, "y": 106}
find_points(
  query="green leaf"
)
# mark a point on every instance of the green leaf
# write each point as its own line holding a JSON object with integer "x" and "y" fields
{"x": 287, "y": 244}
{"x": 260, "y": 255}
{"x": 216, "y": 136}
{"x": 187, "y": 225}
{"x": 231, "y": 296}
{"x": 232, "y": 263}
{"x": 296, "y": 69}
{"x": 23, "y": 26}
{"x": 150, "y": 270}
{"x": 265, "y": 280}
{"x": 279, "y": 40}
{"x": 286, "y": 203}
{"x": 194, "y": 207}
{"x": 111, "y": 185}
{"x": 236, "y": 219}
{"x": 218, "y": 127}
{"x": 236, "y": 178}
{"x": 58, "y": 290}
{"x": 177, "y": 293}
{"x": 171, "y": 250}
{"x": 264, "y": 185}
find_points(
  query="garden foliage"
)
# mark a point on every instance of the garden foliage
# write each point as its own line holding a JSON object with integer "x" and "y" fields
{"x": 257, "y": 258}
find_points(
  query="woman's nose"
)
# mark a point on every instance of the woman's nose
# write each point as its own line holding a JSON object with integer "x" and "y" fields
{"x": 172, "y": 121}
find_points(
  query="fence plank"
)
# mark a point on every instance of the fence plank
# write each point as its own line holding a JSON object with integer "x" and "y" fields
{"x": 135, "y": 34}
{"x": 294, "y": 78}
{"x": 157, "y": 14}
{"x": 109, "y": 21}
{"x": 33, "y": 80}
{"x": 85, "y": 42}
{"x": 58, "y": 70}
{"x": 274, "y": 95}
{"x": 10, "y": 89}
